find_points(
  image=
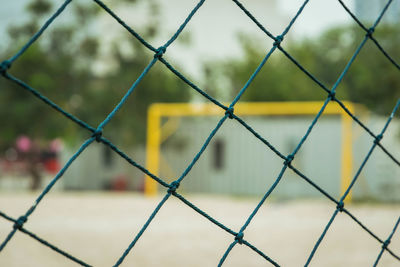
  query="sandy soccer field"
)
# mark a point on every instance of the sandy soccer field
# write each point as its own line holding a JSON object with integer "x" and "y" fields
{"x": 97, "y": 228}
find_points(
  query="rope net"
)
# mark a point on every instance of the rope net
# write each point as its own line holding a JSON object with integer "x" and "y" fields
{"x": 171, "y": 189}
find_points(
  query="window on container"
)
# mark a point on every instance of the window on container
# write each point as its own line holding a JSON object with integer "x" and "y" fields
{"x": 107, "y": 156}
{"x": 219, "y": 154}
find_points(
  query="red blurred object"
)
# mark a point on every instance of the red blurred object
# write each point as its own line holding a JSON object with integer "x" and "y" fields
{"x": 52, "y": 165}
{"x": 119, "y": 183}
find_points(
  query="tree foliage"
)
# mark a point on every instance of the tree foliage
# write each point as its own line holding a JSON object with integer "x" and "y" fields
{"x": 372, "y": 80}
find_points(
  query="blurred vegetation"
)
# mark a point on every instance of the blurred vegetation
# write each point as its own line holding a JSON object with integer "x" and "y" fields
{"x": 61, "y": 65}
{"x": 371, "y": 80}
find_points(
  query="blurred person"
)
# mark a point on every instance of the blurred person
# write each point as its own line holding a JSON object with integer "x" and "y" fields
{"x": 36, "y": 158}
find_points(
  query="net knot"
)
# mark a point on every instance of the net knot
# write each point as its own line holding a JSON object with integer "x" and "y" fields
{"x": 4, "y": 66}
{"x": 278, "y": 40}
{"x": 239, "y": 237}
{"x": 289, "y": 160}
{"x": 97, "y": 134}
{"x": 385, "y": 244}
{"x": 332, "y": 95}
{"x": 340, "y": 206}
{"x": 160, "y": 52}
{"x": 173, "y": 186}
{"x": 378, "y": 138}
{"x": 20, "y": 222}
{"x": 370, "y": 31}
{"x": 229, "y": 112}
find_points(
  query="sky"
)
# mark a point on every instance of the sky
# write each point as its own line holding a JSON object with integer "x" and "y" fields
{"x": 214, "y": 28}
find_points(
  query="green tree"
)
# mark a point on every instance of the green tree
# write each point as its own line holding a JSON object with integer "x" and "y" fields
{"x": 61, "y": 66}
{"x": 372, "y": 80}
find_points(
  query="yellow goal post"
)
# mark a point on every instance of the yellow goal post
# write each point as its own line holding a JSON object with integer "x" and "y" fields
{"x": 157, "y": 111}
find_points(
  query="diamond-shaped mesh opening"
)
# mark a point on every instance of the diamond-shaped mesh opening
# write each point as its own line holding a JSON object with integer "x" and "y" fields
{"x": 188, "y": 233}
{"x": 272, "y": 83}
{"x": 299, "y": 221}
{"x": 339, "y": 240}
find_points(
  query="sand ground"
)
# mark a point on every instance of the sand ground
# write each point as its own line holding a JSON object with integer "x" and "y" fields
{"x": 97, "y": 228}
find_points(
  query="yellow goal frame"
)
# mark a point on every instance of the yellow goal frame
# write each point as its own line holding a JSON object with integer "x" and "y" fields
{"x": 158, "y": 110}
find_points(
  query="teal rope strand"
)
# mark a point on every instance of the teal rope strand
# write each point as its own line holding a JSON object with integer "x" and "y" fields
{"x": 204, "y": 214}
{"x": 339, "y": 102}
{"x": 41, "y": 30}
{"x": 321, "y": 237}
{"x": 195, "y": 87}
{"x": 259, "y": 252}
{"x": 183, "y": 25}
{"x": 132, "y": 162}
{"x": 128, "y": 93}
{"x": 208, "y": 140}
{"x": 308, "y": 180}
{"x": 123, "y": 24}
{"x": 252, "y": 77}
{"x": 369, "y": 35}
{"x": 44, "y": 242}
{"x": 387, "y": 242}
{"x": 222, "y": 260}
{"x": 287, "y": 162}
{"x": 385, "y": 8}
{"x": 132, "y": 244}
{"x": 222, "y": 226}
{"x": 83, "y": 125}
{"x": 49, "y": 102}
{"x": 45, "y": 191}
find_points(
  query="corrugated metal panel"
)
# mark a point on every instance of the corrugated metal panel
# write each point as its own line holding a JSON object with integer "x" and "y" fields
{"x": 250, "y": 167}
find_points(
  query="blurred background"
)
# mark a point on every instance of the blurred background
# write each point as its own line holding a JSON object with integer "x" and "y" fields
{"x": 85, "y": 62}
